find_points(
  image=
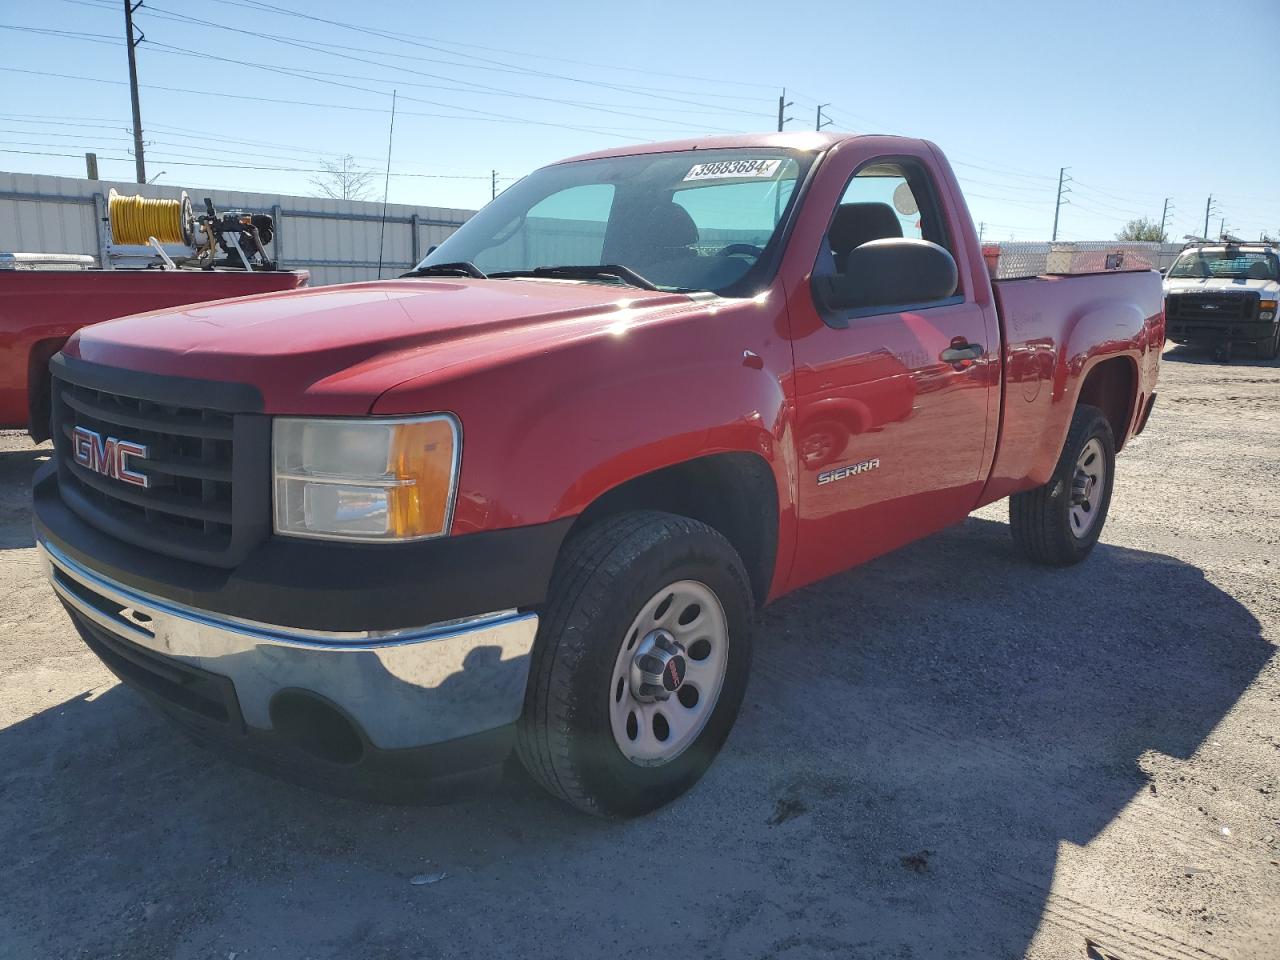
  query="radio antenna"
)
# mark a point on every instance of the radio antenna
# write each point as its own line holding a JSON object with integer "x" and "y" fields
{"x": 386, "y": 183}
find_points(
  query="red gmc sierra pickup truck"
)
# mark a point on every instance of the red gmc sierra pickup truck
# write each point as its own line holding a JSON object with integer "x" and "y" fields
{"x": 526, "y": 499}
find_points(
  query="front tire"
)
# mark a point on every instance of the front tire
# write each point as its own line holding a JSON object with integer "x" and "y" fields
{"x": 640, "y": 664}
{"x": 1270, "y": 349}
{"x": 1059, "y": 523}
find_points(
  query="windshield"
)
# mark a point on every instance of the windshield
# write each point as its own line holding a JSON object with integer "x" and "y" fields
{"x": 1225, "y": 265}
{"x": 689, "y": 220}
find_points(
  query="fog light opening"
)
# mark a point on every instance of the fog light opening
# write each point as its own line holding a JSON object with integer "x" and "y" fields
{"x": 311, "y": 725}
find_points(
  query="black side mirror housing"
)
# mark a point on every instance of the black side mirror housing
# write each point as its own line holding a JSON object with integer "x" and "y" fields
{"x": 894, "y": 271}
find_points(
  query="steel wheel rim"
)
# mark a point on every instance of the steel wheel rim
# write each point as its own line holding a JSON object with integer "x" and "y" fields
{"x": 637, "y": 723}
{"x": 1088, "y": 483}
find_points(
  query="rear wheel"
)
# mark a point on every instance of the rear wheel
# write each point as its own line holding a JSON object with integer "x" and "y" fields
{"x": 640, "y": 664}
{"x": 1059, "y": 523}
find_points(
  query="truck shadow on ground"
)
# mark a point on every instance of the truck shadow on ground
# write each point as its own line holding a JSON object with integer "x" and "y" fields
{"x": 16, "y": 468}
{"x": 919, "y": 737}
{"x": 1244, "y": 356}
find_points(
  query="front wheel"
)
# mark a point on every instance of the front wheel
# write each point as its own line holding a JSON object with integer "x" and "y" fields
{"x": 640, "y": 664}
{"x": 1269, "y": 349}
{"x": 1059, "y": 523}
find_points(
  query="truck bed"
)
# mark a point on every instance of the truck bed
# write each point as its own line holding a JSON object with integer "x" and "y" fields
{"x": 1052, "y": 328}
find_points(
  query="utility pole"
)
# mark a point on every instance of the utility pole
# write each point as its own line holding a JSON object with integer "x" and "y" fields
{"x": 820, "y": 122}
{"x": 1209, "y": 208}
{"x": 982, "y": 228}
{"x": 494, "y": 185}
{"x": 1164, "y": 218}
{"x": 91, "y": 166}
{"x": 1222, "y": 229}
{"x": 1063, "y": 180}
{"x": 139, "y": 162}
{"x": 783, "y": 103}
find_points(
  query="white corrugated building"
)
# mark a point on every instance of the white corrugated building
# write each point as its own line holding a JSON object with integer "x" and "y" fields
{"x": 337, "y": 240}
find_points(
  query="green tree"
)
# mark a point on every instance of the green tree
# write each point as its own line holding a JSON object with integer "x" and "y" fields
{"x": 1143, "y": 229}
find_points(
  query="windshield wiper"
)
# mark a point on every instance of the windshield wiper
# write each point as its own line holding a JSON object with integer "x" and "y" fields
{"x": 611, "y": 272}
{"x": 459, "y": 268}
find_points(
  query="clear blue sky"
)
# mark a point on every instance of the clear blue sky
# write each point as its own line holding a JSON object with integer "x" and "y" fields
{"x": 1142, "y": 100}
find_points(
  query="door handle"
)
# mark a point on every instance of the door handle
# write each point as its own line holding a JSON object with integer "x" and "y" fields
{"x": 962, "y": 351}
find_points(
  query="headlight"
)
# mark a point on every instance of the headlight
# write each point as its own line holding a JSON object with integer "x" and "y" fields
{"x": 1267, "y": 310}
{"x": 365, "y": 479}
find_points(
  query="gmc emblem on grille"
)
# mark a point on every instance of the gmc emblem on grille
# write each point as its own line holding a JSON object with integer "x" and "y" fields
{"x": 109, "y": 457}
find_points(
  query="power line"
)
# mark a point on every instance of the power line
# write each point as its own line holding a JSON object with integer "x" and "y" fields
{"x": 341, "y": 50}
{"x": 317, "y": 47}
{"x": 410, "y": 38}
{"x": 189, "y": 134}
{"x": 241, "y": 166}
{"x": 78, "y": 35}
{"x": 492, "y": 118}
{"x": 302, "y": 73}
{"x": 1037, "y": 190}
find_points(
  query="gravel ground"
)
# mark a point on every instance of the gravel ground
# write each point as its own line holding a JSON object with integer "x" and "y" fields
{"x": 944, "y": 753}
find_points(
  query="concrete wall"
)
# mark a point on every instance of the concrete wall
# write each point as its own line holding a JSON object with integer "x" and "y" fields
{"x": 337, "y": 240}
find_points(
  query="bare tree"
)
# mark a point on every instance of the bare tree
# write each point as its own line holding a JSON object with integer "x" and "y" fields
{"x": 343, "y": 180}
{"x": 1142, "y": 229}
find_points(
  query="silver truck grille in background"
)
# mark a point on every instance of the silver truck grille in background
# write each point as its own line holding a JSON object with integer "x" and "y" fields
{"x": 1212, "y": 308}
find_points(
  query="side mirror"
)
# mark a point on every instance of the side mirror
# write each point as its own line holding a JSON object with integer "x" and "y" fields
{"x": 890, "y": 272}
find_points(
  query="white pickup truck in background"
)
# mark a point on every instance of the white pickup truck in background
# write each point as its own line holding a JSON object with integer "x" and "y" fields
{"x": 1222, "y": 294}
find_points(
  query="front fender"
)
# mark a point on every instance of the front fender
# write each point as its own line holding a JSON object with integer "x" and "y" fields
{"x": 547, "y": 433}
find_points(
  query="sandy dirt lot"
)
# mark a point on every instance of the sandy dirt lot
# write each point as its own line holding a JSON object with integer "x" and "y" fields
{"x": 945, "y": 753}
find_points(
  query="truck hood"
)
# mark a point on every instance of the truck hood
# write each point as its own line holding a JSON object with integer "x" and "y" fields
{"x": 1222, "y": 285}
{"x": 334, "y": 350}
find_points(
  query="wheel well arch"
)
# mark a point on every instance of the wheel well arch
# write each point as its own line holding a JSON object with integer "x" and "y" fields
{"x": 1111, "y": 386}
{"x": 39, "y": 381}
{"x": 734, "y": 493}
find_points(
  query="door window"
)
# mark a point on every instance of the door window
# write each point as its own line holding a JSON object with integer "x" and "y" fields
{"x": 885, "y": 198}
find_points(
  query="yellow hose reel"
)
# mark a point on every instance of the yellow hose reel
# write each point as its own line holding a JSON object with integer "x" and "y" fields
{"x": 135, "y": 219}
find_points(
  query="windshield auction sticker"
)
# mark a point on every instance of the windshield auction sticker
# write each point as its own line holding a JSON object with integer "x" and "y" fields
{"x": 722, "y": 169}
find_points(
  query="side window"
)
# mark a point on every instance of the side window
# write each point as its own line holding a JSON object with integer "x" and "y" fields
{"x": 890, "y": 198}
{"x": 566, "y": 227}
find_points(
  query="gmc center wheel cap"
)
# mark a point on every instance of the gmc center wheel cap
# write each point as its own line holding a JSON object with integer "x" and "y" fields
{"x": 658, "y": 668}
{"x": 678, "y": 643}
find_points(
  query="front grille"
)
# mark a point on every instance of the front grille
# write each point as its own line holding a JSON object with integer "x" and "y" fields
{"x": 206, "y": 467}
{"x": 1210, "y": 308}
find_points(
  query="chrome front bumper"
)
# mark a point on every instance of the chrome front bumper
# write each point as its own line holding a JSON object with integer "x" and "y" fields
{"x": 403, "y": 689}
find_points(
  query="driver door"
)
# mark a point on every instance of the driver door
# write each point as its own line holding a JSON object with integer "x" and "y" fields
{"x": 893, "y": 434}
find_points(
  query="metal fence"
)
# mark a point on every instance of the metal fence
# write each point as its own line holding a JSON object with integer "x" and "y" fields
{"x": 337, "y": 240}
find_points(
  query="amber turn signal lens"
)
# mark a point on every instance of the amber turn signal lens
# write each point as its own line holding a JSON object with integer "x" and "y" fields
{"x": 422, "y": 458}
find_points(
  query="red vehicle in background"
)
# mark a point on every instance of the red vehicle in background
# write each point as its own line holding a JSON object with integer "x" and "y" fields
{"x": 40, "y": 309}
{"x": 182, "y": 257}
{"x": 529, "y": 496}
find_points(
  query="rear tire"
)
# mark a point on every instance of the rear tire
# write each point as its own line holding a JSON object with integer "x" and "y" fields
{"x": 606, "y": 599}
{"x": 1059, "y": 523}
